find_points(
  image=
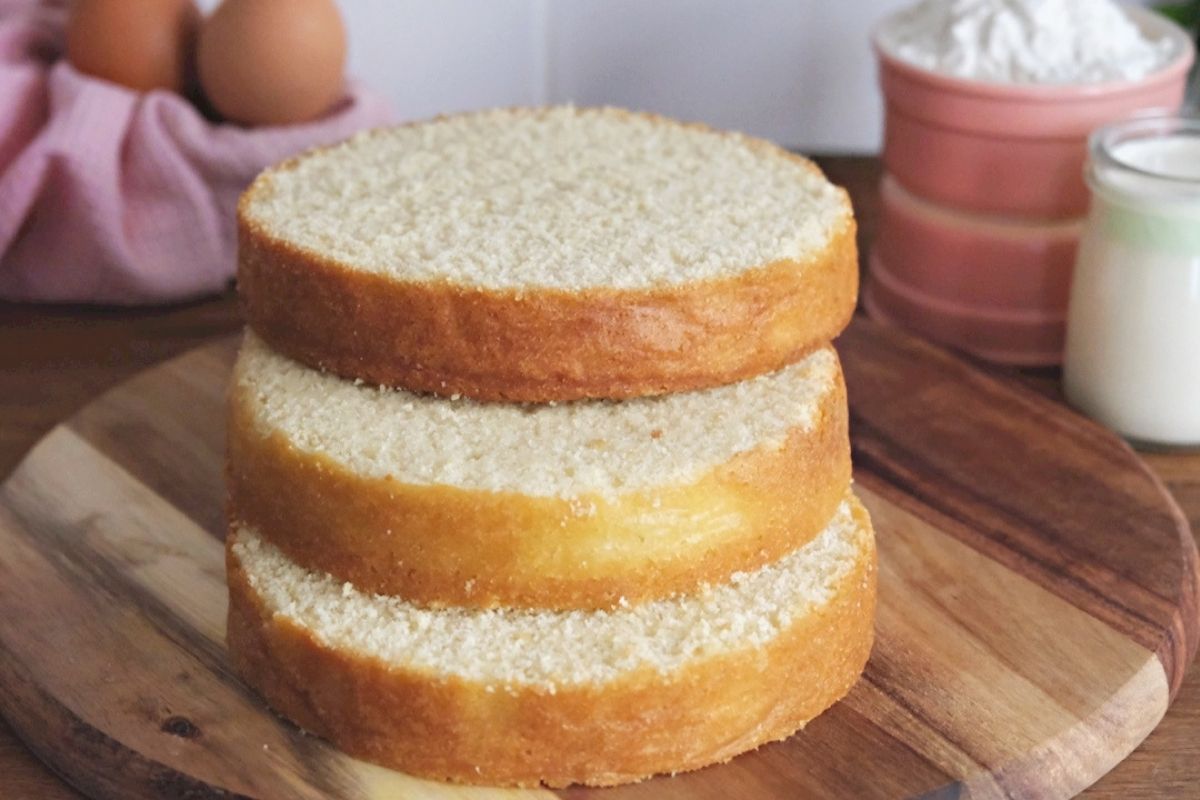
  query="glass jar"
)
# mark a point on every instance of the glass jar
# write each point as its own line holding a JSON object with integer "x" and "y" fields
{"x": 1132, "y": 358}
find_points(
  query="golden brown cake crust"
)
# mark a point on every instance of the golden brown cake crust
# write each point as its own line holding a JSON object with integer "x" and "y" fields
{"x": 443, "y": 545}
{"x": 542, "y": 345}
{"x": 647, "y": 723}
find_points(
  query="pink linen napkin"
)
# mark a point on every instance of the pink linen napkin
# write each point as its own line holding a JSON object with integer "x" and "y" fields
{"x": 117, "y": 197}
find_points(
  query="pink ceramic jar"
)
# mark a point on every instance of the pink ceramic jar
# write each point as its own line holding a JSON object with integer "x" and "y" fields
{"x": 1011, "y": 148}
{"x": 983, "y": 204}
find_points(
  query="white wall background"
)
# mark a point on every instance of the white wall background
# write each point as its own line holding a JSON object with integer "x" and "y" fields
{"x": 800, "y": 72}
{"x": 797, "y": 71}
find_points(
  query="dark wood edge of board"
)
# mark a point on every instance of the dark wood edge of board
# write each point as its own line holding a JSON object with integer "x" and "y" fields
{"x": 1177, "y": 645}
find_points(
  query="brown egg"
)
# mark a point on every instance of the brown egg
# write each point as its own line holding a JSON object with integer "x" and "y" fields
{"x": 273, "y": 62}
{"x": 142, "y": 44}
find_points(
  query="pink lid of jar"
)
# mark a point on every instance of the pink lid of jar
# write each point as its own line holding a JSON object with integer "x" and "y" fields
{"x": 1027, "y": 338}
{"x": 975, "y": 261}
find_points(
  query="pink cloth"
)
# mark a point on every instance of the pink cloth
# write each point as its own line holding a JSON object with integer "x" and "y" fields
{"x": 111, "y": 196}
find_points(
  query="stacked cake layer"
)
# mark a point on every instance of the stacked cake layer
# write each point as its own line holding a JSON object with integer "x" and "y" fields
{"x": 605, "y": 580}
{"x": 521, "y": 696}
{"x": 550, "y": 255}
{"x": 576, "y": 505}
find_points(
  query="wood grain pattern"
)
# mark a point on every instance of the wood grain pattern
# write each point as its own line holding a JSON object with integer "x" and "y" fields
{"x": 1021, "y": 496}
{"x": 1026, "y": 643}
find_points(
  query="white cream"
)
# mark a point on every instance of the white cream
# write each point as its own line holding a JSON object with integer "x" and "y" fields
{"x": 1133, "y": 343}
{"x": 1174, "y": 156}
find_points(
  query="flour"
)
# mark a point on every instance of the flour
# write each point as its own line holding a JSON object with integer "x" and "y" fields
{"x": 1025, "y": 41}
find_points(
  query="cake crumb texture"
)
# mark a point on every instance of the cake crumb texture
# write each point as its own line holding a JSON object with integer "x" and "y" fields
{"x": 563, "y": 198}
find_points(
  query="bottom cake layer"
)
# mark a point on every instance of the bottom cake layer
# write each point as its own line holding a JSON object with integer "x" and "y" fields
{"x": 521, "y": 697}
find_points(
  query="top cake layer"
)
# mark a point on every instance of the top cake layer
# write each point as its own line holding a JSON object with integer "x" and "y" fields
{"x": 546, "y": 255}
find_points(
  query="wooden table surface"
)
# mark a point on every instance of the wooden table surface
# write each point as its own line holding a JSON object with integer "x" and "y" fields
{"x": 55, "y": 360}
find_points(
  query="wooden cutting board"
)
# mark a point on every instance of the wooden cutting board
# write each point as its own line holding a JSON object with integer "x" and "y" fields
{"x": 1038, "y": 604}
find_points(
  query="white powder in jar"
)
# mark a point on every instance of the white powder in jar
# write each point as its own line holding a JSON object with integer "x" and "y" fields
{"x": 1025, "y": 41}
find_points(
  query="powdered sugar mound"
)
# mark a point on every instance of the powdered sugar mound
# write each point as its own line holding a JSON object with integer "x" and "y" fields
{"x": 1026, "y": 41}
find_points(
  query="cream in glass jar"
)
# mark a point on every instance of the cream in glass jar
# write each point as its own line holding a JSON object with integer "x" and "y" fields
{"x": 1132, "y": 357}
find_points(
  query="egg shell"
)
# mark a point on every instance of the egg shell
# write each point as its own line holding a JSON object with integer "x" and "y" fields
{"x": 273, "y": 62}
{"x": 141, "y": 44}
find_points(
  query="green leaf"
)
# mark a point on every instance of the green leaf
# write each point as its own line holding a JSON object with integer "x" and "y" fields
{"x": 1186, "y": 14}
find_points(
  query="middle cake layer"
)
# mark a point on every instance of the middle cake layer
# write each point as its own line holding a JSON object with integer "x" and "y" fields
{"x": 591, "y": 504}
